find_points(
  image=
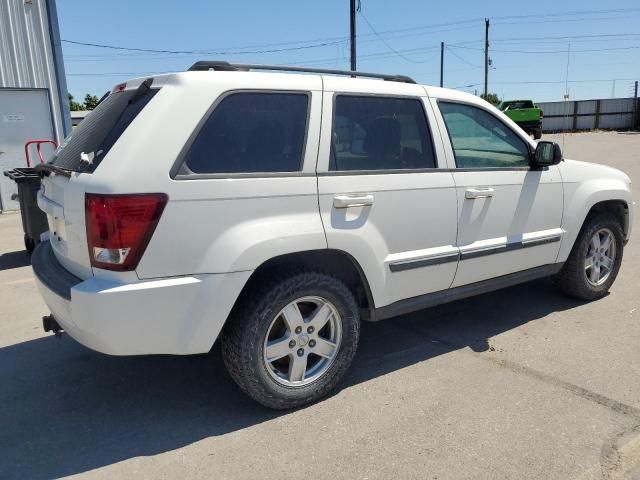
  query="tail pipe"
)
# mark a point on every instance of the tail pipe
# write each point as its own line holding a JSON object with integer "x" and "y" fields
{"x": 50, "y": 324}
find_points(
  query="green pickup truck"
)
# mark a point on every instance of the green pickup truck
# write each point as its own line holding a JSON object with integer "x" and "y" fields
{"x": 526, "y": 114}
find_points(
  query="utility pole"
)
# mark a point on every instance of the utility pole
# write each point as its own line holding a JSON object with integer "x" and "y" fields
{"x": 486, "y": 57}
{"x": 636, "y": 107}
{"x": 441, "y": 64}
{"x": 353, "y": 35}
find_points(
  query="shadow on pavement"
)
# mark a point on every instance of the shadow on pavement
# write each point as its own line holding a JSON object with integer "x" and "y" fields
{"x": 16, "y": 259}
{"x": 67, "y": 410}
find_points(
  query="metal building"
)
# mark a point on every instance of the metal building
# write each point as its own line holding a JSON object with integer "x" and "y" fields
{"x": 33, "y": 90}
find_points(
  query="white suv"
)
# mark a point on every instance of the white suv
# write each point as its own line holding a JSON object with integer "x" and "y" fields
{"x": 278, "y": 210}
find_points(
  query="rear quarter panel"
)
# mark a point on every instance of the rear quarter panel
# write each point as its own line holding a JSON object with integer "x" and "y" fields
{"x": 231, "y": 222}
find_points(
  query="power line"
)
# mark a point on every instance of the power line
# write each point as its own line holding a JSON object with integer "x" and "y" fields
{"x": 547, "y": 82}
{"x": 242, "y": 50}
{"x": 565, "y": 14}
{"x": 532, "y": 22}
{"x": 452, "y": 52}
{"x": 397, "y": 52}
{"x": 204, "y": 52}
{"x": 606, "y": 36}
{"x": 550, "y": 51}
{"x": 151, "y": 55}
{"x": 329, "y": 41}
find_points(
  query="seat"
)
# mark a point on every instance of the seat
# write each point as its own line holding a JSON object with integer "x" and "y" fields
{"x": 382, "y": 144}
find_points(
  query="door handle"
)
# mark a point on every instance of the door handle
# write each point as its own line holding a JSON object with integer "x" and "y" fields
{"x": 473, "y": 193}
{"x": 358, "y": 200}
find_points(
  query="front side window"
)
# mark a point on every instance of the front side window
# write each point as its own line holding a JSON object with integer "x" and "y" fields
{"x": 251, "y": 132}
{"x": 380, "y": 133}
{"x": 480, "y": 140}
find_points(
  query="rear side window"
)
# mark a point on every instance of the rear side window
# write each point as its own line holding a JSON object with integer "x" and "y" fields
{"x": 251, "y": 132}
{"x": 97, "y": 133}
{"x": 380, "y": 133}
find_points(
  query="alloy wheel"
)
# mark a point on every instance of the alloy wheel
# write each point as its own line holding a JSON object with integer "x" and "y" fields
{"x": 302, "y": 341}
{"x": 601, "y": 257}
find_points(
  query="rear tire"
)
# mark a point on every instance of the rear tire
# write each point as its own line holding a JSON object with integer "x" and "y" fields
{"x": 537, "y": 134}
{"x": 271, "y": 331}
{"x": 594, "y": 261}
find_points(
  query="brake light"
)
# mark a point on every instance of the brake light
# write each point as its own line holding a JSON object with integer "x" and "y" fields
{"x": 121, "y": 87}
{"x": 541, "y": 114}
{"x": 119, "y": 227}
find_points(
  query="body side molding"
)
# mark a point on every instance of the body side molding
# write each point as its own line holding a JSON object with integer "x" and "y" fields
{"x": 445, "y": 296}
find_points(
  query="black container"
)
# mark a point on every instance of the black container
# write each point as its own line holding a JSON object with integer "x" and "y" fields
{"x": 34, "y": 220}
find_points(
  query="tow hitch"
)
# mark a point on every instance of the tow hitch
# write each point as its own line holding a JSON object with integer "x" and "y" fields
{"x": 50, "y": 324}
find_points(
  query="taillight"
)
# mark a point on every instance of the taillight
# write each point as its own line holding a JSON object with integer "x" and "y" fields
{"x": 121, "y": 87}
{"x": 119, "y": 227}
{"x": 541, "y": 114}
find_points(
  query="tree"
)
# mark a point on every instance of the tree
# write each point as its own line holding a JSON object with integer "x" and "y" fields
{"x": 73, "y": 105}
{"x": 491, "y": 98}
{"x": 90, "y": 101}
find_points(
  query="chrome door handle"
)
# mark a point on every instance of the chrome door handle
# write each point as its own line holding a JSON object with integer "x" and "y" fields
{"x": 356, "y": 200}
{"x": 473, "y": 193}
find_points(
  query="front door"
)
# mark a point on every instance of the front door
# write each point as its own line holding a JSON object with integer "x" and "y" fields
{"x": 509, "y": 215}
{"x": 383, "y": 198}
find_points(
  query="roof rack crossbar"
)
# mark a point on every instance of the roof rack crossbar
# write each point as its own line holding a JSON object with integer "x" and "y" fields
{"x": 204, "y": 65}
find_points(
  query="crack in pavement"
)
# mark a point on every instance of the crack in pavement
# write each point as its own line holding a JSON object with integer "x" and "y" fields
{"x": 610, "y": 403}
{"x": 620, "y": 454}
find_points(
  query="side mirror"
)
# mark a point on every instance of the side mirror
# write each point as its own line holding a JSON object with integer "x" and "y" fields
{"x": 547, "y": 153}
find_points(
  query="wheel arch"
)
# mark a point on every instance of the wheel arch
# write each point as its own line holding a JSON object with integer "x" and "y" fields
{"x": 335, "y": 262}
{"x": 618, "y": 206}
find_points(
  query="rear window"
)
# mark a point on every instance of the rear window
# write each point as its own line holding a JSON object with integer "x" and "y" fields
{"x": 251, "y": 132}
{"x": 518, "y": 104}
{"x": 102, "y": 128}
{"x": 380, "y": 133}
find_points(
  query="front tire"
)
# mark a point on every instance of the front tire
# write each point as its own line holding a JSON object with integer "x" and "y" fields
{"x": 595, "y": 259}
{"x": 290, "y": 341}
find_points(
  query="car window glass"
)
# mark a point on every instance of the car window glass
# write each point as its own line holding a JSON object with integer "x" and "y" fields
{"x": 380, "y": 133}
{"x": 480, "y": 140}
{"x": 252, "y": 132}
{"x": 101, "y": 129}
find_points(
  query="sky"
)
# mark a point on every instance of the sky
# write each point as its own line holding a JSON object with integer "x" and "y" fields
{"x": 538, "y": 50}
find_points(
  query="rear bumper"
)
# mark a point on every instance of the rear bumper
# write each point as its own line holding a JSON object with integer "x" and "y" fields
{"x": 530, "y": 125}
{"x": 180, "y": 315}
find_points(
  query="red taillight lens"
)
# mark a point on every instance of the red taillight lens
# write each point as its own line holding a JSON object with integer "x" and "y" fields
{"x": 541, "y": 114}
{"x": 119, "y": 227}
{"x": 121, "y": 87}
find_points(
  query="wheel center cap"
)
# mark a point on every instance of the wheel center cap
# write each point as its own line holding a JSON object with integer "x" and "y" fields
{"x": 303, "y": 339}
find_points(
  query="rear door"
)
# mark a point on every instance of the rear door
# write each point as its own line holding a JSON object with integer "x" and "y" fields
{"x": 383, "y": 198}
{"x": 509, "y": 215}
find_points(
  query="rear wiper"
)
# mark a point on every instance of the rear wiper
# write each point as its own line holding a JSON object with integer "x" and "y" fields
{"x": 141, "y": 90}
{"x": 45, "y": 169}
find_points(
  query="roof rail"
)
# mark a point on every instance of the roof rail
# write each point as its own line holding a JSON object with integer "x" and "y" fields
{"x": 205, "y": 65}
